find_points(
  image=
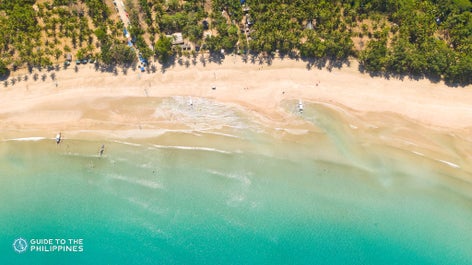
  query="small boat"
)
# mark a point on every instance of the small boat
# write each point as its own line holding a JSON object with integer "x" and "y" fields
{"x": 58, "y": 138}
{"x": 300, "y": 106}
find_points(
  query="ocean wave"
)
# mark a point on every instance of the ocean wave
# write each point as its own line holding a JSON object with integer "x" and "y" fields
{"x": 142, "y": 182}
{"x": 417, "y": 153}
{"x": 84, "y": 155}
{"x": 438, "y": 160}
{"x": 297, "y": 131}
{"x": 34, "y": 138}
{"x": 407, "y": 142}
{"x": 448, "y": 163}
{"x": 240, "y": 177}
{"x": 293, "y": 131}
{"x": 193, "y": 148}
{"x": 126, "y": 143}
{"x": 222, "y": 134}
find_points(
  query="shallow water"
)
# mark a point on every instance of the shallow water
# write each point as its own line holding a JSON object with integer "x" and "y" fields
{"x": 344, "y": 190}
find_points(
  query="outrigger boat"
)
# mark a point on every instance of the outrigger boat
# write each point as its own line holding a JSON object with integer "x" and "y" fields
{"x": 58, "y": 138}
{"x": 300, "y": 106}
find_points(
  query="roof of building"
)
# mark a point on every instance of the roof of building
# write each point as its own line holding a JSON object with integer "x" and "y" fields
{"x": 178, "y": 39}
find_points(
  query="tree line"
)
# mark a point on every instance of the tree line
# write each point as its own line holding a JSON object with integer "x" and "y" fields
{"x": 430, "y": 38}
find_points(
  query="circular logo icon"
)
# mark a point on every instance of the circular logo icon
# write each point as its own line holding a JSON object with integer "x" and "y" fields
{"x": 20, "y": 245}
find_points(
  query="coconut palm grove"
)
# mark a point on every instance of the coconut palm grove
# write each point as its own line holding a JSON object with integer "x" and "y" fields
{"x": 431, "y": 39}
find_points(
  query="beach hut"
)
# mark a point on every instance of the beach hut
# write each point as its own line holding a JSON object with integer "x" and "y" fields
{"x": 177, "y": 38}
{"x": 69, "y": 57}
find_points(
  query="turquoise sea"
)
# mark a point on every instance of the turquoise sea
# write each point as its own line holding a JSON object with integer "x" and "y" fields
{"x": 328, "y": 187}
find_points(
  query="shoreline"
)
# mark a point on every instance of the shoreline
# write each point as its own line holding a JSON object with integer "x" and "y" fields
{"x": 91, "y": 100}
{"x": 428, "y": 120}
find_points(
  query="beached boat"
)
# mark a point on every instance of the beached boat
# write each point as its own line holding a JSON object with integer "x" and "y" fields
{"x": 58, "y": 138}
{"x": 300, "y": 106}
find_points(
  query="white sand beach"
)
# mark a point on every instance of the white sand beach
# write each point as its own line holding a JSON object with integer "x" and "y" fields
{"x": 91, "y": 100}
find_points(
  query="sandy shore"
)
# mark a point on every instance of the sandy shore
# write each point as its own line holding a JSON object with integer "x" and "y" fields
{"x": 92, "y": 100}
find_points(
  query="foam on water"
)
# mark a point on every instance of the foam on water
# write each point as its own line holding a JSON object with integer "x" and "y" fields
{"x": 126, "y": 143}
{"x": 203, "y": 114}
{"x": 417, "y": 153}
{"x": 193, "y": 148}
{"x": 448, "y": 163}
{"x": 33, "y": 138}
{"x": 143, "y": 182}
{"x": 240, "y": 177}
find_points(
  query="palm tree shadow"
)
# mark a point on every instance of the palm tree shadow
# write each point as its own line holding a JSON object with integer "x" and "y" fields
{"x": 167, "y": 64}
{"x": 5, "y": 76}
{"x": 203, "y": 60}
{"x": 216, "y": 57}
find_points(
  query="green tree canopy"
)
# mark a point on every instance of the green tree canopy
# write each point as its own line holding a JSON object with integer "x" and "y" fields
{"x": 374, "y": 56}
{"x": 163, "y": 48}
{"x": 3, "y": 69}
{"x": 119, "y": 54}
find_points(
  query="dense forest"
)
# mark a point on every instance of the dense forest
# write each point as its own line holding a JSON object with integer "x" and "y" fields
{"x": 431, "y": 38}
